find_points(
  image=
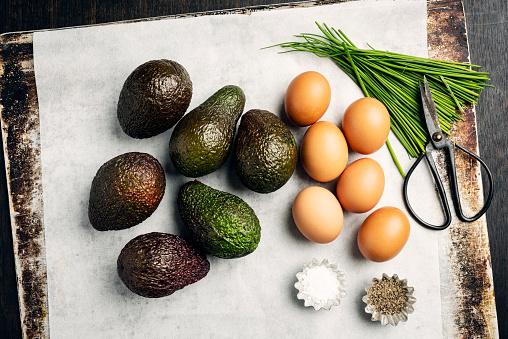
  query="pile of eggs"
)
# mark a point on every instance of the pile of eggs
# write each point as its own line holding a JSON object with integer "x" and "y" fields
{"x": 317, "y": 212}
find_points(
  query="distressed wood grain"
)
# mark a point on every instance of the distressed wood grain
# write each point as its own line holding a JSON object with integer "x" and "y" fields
{"x": 468, "y": 297}
{"x": 20, "y": 131}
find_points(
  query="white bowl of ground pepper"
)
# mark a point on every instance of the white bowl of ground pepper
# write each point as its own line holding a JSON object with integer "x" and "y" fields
{"x": 389, "y": 300}
{"x": 321, "y": 284}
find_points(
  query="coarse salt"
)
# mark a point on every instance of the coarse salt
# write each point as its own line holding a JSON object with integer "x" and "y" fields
{"x": 321, "y": 283}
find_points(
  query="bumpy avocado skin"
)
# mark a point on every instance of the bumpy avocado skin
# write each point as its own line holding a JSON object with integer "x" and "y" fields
{"x": 125, "y": 191}
{"x": 155, "y": 265}
{"x": 203, "y": 139}
{"x": 265, "y": 152}
{"x": 222, "y": 224}
{"x": 153, "y": 98}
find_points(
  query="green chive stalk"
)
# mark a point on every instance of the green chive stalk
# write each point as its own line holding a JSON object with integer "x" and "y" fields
{"x": 392, "y": 78}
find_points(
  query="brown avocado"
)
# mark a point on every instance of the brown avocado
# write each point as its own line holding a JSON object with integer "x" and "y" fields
{"x": 155, "y": 265}
{"x": 153, "y": 98}
{"x": 125, "y": 191}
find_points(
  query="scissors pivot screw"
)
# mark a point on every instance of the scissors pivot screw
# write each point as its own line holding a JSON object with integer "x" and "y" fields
{"x": 437, "y": 136}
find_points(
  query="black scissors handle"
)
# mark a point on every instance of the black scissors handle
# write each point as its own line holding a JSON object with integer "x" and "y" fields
{"x": 449, "y": 146}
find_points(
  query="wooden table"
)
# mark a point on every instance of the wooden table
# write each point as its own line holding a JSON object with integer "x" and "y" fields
{"x": 487, "y": 37}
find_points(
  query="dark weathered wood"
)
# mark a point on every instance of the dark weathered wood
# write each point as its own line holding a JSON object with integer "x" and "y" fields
{"x": 488, "y": 40}
{"x": 487, "y": 24}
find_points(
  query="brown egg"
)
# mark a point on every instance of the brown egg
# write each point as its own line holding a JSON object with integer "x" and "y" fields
{"x": 307, "y": 98}
{"x": 361, "y": 185}
{"x": 366, "y": 125}
{"x": 324, "y": 151}
{"x": 318, "y": 214}
{"x": 383, "y": 234}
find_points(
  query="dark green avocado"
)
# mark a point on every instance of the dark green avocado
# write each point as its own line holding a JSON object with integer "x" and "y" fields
{"x": 125, "y": 191}
{"x": 155, "y": 265}
{"x": 153, "y": 98}
{"x": 203, "y": 139}
{"x": 221, "y": 223}
{"x": 265, "y": 153}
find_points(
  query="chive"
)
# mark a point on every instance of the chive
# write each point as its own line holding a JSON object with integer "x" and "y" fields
{"x": 355, "y": 70}
{"x": 392, "y": 78}
{"x": 390, "y": 149}
{"x": 451, "y": 94}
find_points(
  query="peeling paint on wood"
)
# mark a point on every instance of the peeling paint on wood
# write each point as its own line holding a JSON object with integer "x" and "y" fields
{"x": 468, "y": 303}
{"x": 20, "y": 131}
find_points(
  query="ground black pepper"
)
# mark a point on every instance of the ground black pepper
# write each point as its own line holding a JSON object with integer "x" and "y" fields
{"x": 388, "y": 295}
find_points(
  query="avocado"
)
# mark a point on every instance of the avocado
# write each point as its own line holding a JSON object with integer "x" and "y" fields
{"x": 265, "y": 153}
{"x": 125, "y": 191}
{"x": 221, "y": 223}
{"x": 153, "y": 98}
{"x": 202, "y": 140}
{"x": 155, "y": 265}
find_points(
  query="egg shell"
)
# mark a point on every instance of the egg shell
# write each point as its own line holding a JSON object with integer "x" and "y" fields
{"x": 383, "y": 234}
{"x": 366, "y": 125}
{"x": 307, "y": 98}
{"x": 324, "y": 151}
{"x": 361, "y": 185}
{"x": 317, "y": 214}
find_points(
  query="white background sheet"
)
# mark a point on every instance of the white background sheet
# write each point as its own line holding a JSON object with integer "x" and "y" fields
{"x": 79, "y": 74}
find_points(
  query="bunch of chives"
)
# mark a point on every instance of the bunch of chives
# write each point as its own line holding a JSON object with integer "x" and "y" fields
{"x": 392, "y": 78}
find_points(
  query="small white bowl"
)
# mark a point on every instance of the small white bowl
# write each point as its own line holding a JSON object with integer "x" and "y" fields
{"x": 392, "y": 319}
{"x": 321, "y": 284}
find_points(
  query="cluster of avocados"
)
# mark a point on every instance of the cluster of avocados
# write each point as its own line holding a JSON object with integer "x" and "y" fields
{"x": 127, "y": 189}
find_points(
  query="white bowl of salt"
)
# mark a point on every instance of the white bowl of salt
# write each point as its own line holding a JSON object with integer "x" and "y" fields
{"x": 321, "y": 284}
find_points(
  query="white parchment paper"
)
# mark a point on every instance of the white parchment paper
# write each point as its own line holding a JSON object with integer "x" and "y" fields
{"x": 79, "y": 74}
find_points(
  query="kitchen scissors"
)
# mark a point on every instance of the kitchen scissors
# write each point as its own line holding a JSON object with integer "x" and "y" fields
{"x": 437, "y": 142}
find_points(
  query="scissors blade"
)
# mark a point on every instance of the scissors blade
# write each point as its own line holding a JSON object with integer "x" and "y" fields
{"x": 430, "y": 112}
